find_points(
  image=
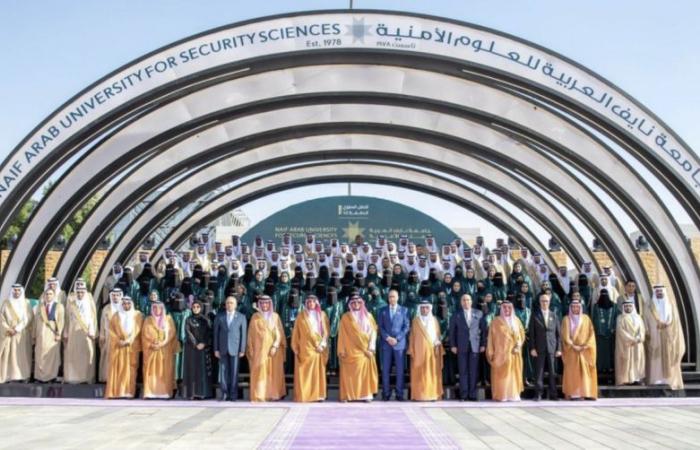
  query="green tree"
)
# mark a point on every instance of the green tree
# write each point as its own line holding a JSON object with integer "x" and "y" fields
{"x": 36, "y": 286}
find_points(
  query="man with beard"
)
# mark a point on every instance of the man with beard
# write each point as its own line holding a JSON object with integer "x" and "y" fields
{"x": 114, "y": 306}
{"x": 48, "y": 327}
{"x": 629, "y": 346}
{"x": 79, "y": 336}
{"x": 426, "y": 352}
{"x": 125, "y": 348}
{"x": 504, "y": 353}
{"x": 15, "y": 337}
{"x": 665, "y": 345}
{"x": 310, "y": 347}
{"x": 357, "y": 338}
{"x": 266, "y": 351}
{"x": 580, "y": 378}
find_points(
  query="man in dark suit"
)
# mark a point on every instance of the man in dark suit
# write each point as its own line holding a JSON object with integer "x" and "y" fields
{"x": 229, "y": 345}
{"x": 468, "y": 333}
{"x": 545, "y": 346}
{"x": 393, "y": 327}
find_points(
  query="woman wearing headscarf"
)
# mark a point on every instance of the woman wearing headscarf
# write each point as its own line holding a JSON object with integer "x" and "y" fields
{"x": 274, "y": 274}
{"x": 147, "y": 282}
{"x": 412, "y": 286}
{"x": 360, "y": 285}
{"x": 282, "y": 289}
{"x": 445, "y": 285}
{"x": 578, "y": 348}
{"x": 498, "y": 287}
{"x": 455, "y": 296}
{"x": 159, "y": 343}
{"x": 372, "y": 277}
{"x": 523, "y": 288}
{"x": 198, "y": 368}
{"x": 459, "y": 274}
{"x": 324, "y": 275}
{"x": 517, "y": 276}
{"x": 179, "y": 313}
{"x": 584, "y": 288}
{"x": 334, "y": 311}
{"x": 604, "y": 318}
{"x": 248, "y": 275}
{"x": 399, "y": 275}
{"x": 222, "y": 281}
{"x": 124, "y": 352}
{"x": 385, "y": 283}
{"x": 168, "y": 283}
{"x": 266, "y": 351}
{"x": 434, "y": 281}
{"x": 469, "y": 283}
{"x": 558, "y": 290}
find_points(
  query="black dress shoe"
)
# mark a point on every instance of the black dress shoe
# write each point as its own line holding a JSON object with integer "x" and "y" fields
{"x": 399, "y": 399}
{"x": 538, "y": 398}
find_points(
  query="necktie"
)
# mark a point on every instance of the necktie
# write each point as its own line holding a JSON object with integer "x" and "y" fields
{"x": 393, "y": 311}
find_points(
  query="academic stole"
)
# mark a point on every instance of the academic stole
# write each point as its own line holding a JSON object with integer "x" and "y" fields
{"x": 75, "y": 311}
{"x": 51, "y": 324}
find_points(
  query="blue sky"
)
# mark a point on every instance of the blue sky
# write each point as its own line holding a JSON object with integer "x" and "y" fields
{"x": 51, "y": 50}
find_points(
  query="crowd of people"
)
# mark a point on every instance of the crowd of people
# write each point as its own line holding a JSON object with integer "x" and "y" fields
{"x": 449, "y": 315}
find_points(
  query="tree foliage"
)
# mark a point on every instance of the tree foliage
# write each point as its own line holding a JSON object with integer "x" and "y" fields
{"x": 36, "y": 285}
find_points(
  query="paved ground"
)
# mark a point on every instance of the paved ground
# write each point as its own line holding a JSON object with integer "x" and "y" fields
{"x": 86, "y": 424}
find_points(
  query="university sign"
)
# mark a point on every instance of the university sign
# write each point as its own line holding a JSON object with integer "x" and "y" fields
{"x": 345, "y": 218}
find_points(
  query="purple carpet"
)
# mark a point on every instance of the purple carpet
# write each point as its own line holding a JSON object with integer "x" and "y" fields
{"x": 345, "y": 428}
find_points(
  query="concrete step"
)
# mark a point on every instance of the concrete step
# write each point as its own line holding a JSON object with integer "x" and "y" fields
{"x": 60, "y": 390}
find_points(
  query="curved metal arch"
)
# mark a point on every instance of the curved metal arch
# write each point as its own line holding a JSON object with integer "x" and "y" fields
{"x": 478, "y": 60}
{"x": 458, "y": 160}
{"x": 299, "y": 118}
{"x": 42, "y": 240}
{"x": 671, "y": 271}
{"x": 102, "y": 217}
{"x": 375, "y": 172}
{"x": 323, "y": 147}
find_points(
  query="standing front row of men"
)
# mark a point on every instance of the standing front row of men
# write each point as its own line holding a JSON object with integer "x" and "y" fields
{"x": 129, "y": 341}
